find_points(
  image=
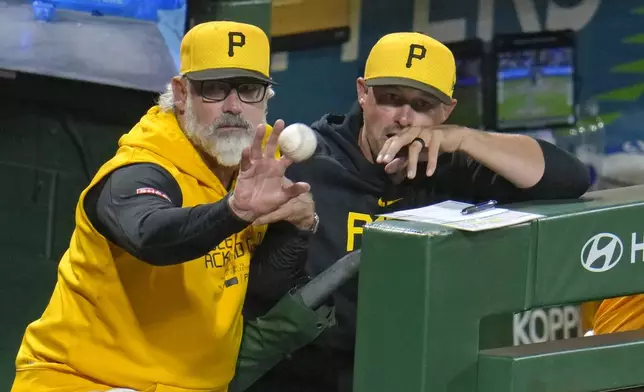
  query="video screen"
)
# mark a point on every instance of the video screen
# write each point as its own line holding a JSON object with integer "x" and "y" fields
{"x": 535, "y": 88}
{"x": 125, "y": 43}
{"x": 468, "y": 94}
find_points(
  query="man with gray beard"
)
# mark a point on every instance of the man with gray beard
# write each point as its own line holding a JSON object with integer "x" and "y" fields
{"x": 170, "y": 232}
{"x": 213, "y": 138}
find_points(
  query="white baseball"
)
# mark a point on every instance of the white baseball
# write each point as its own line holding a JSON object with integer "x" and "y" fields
{"x": 297, "y": 142}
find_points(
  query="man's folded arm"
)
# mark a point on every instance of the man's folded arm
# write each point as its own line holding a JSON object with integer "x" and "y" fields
{"x": 564, "y": 177}
{"x": 277, "y": 265}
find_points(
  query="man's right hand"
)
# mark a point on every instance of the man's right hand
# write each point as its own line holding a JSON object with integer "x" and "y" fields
{"x": 299, "y": 211}
{"x": 261, "y": 187}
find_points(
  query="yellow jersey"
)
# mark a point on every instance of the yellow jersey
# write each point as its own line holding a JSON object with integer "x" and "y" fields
{"x": 116, "y": 321}
{"x": 620, "y": 314}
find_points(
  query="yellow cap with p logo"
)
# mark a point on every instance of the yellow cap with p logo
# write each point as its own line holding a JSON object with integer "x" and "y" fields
{"x": 412, "y": 60}
{"x": 223, "y": 49}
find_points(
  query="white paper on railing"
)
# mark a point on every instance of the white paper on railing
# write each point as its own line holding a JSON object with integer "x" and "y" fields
{"x": 448, "y": 213}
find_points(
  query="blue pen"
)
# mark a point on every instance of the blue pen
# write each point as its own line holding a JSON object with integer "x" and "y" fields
{"x": 479, "y": 207}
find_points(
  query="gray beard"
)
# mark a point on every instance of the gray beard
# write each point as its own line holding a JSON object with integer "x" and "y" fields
{"x": 224, "y": 146}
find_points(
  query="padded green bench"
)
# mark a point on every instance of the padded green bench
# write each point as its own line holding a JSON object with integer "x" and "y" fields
{"x": 596, "y": 363}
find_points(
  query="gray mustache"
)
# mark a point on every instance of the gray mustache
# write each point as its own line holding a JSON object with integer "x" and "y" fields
{"x": 228, "y": 120}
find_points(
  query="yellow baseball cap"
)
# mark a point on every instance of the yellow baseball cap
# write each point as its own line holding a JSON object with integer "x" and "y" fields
{"x": 224, "y": 49}
{"x": 412, "y": 60}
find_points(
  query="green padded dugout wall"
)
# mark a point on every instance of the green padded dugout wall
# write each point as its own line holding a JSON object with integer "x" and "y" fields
{"x": 424, "y": 288}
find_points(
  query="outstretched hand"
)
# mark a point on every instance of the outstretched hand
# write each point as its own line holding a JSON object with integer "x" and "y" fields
{"x": 261, "y": 187}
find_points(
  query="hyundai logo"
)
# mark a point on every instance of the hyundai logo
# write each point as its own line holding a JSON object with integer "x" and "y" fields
{"x": 602, "y": 252}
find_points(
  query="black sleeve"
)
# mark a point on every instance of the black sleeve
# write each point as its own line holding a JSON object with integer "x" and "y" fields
{"x": 277, "y": 266}
{"x": 138, "y": 207}
{"x": 564, "y": 177}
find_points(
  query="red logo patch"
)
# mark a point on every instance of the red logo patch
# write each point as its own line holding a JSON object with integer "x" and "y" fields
{"x": 152, "y": 191}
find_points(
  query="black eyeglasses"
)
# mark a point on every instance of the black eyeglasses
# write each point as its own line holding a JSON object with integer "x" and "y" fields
{"x": 217, "y": 91}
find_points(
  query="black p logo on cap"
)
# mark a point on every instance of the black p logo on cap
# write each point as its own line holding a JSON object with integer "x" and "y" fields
{"x": 232, "y": 42}
{"x": 413, "y": 55}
